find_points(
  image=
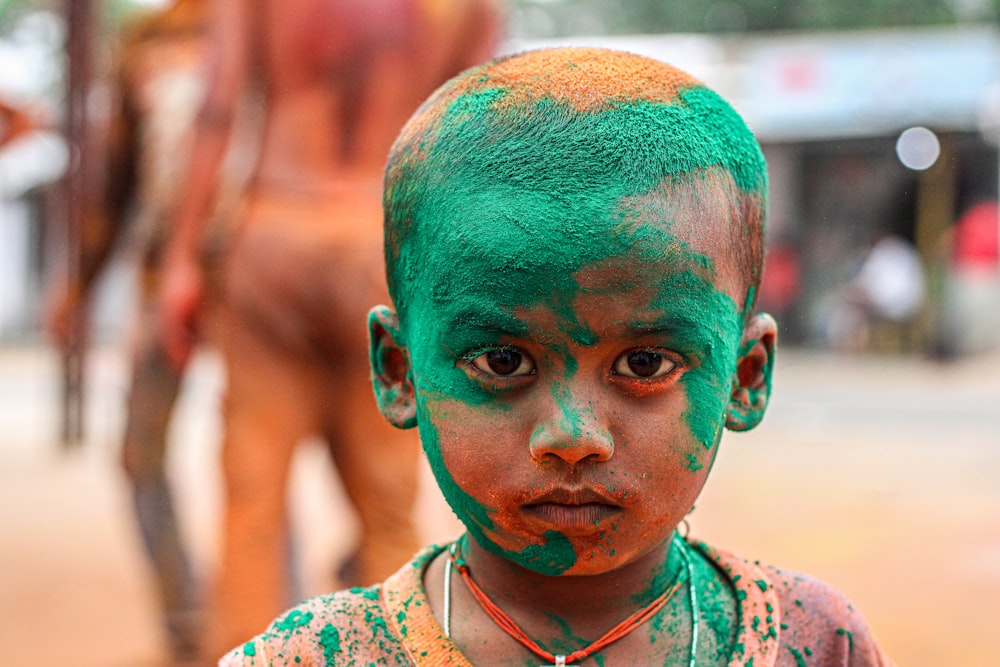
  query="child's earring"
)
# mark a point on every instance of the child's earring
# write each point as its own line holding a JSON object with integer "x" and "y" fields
{"x": 390, "y": 364}
{"x": 752, "y": 383}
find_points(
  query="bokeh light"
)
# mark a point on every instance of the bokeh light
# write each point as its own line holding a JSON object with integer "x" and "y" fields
{"x": 918, "y": 148}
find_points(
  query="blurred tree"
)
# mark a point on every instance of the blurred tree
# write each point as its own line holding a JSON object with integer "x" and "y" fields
{"x": 554, "y": 18}
{"x": 113, "y": 11}
{"x": 12, "y": 10}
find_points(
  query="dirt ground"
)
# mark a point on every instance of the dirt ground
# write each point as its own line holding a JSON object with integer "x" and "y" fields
{"x": 879, "y": 475}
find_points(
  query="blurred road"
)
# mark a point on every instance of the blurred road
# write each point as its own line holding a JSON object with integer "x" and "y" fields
{"x": 879, "y": 475}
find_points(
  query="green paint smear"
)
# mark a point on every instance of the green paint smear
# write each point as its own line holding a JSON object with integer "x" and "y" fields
{"x": 329, "y": 641}
{"x": 250, "y": 649}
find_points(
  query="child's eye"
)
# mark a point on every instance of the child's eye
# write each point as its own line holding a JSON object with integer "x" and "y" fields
{"x": 504, "y": 362}
{"x": 645, "y": 364}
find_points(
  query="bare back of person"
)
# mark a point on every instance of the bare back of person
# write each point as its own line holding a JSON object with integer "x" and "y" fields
{"x": 340, "y": 79}
{"x": 303, "y": 266}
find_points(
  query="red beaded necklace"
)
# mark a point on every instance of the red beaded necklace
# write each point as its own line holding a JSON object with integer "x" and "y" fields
{"x": 510, "y": 626}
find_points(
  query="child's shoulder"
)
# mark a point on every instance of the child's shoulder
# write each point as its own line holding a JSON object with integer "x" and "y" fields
{"x": 796, "y": 618}
{"x": 821, "y": 624}
{"x": 350, "y": 623}
{"x": 373, "y": 625}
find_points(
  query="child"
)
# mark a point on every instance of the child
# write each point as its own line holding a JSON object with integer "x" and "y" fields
{"x": 573, "y": 240}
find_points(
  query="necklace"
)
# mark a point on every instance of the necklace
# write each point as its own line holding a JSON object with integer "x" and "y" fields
{"x": 510, "y": 626}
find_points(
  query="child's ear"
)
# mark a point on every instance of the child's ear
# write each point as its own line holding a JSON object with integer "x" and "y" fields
{"x": 752, "y": 383}
{"x": 390, "y": 363}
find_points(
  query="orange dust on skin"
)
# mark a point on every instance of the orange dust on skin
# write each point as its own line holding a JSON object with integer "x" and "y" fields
{"x": 587, "y": 80}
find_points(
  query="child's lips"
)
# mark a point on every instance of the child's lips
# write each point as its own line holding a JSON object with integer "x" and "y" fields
{"x": 572, "y": 512}
{"x": 571, "y": 519}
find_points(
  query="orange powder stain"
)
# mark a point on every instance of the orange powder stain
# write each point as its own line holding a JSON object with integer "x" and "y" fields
{"x": 586, "y": 79}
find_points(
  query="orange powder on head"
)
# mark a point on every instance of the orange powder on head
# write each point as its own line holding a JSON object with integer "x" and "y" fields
{"x": 584, "y": 79}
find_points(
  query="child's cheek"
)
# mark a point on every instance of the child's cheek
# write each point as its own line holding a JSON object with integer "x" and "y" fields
{"x": 704, "y": 416}
{"x": 434, "y": 418}
{"x": 450, "y": 431}
{"x": 708, "y": 383}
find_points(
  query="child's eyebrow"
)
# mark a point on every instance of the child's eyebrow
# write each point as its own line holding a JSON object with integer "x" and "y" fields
{"x": 694, "y": 330}
{"x": 496, "y": 321}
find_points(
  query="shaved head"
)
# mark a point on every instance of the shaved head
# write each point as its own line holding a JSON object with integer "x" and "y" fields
{"x": 592, "y": 134}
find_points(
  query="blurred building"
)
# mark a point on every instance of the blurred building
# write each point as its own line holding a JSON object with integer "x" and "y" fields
{"x": 30, "y": 80}
{"x": 831, "y": 111}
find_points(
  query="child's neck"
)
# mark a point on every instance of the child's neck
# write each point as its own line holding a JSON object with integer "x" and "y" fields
{"x": 581, "y": 600}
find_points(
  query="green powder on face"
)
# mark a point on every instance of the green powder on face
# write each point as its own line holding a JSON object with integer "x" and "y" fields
{"x": 475, "y": 517}
{"x": 553, "y": 557}
{"x": 250, "y": 649}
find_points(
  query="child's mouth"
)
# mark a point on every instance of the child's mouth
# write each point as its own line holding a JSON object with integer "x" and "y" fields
{"x": 571, "y": 511}
{"x": 571, "y": 519}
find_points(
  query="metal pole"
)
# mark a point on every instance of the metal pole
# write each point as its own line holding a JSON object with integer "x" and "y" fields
{"x": 79, "y": 65}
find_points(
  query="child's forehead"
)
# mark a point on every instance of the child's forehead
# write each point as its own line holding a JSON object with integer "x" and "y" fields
{"x": 526, "y": 254}
{"x": 680, "y": 224}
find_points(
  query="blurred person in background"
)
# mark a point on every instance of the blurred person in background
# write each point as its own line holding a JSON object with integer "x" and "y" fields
{"x": 14, "y": 123}
{"x": 882, "y": 301}
{"x": 159, "y": 90}
{"x": 304, "y": 265}
{"x": 971, "y": 308}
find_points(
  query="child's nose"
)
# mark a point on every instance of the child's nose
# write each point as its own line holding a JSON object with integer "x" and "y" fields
{"x": 573, "y": 433}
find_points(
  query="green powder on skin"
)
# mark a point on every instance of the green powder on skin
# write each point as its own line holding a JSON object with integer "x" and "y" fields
{"x": 850, "y": 638}
{"x": 329, "y": 641}
{"x": 525, "y": 210}
{"x": 293, "y": 621}
{"x": 567, "y": 642}
{"x": 799, "y": 660}
{"x": 553, "y": 557}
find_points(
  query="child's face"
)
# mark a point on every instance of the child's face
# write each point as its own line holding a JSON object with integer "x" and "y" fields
{"x": 571, "y": 391}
